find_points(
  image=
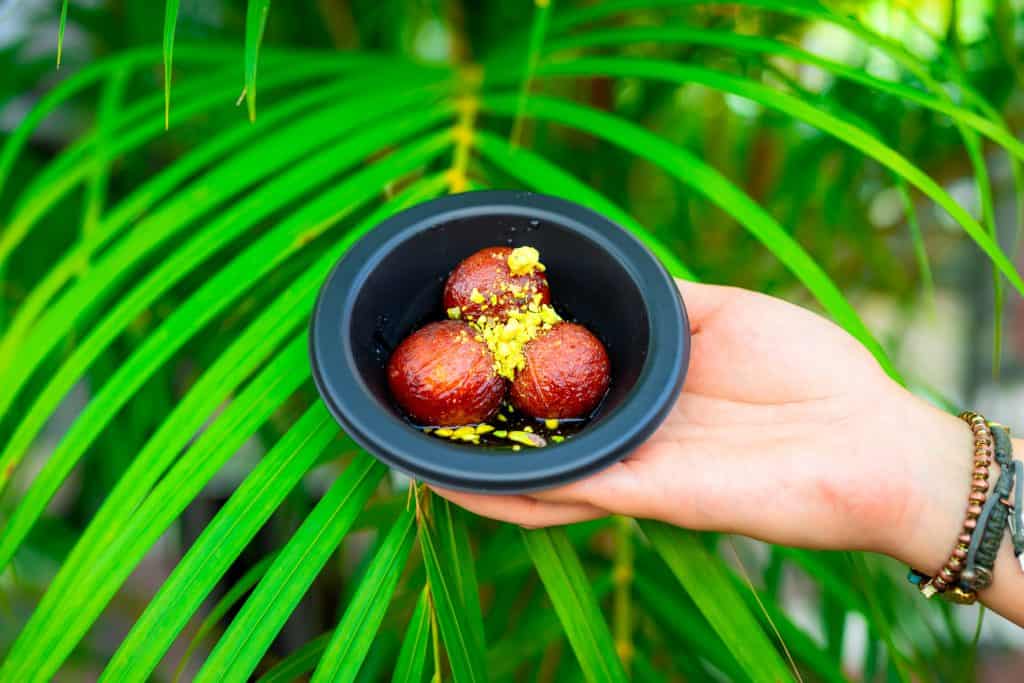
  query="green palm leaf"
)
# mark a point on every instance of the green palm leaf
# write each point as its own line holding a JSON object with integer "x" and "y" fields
{"x": 188, "y": 319}
{"x": 131, "y": 208}
{"x": 705, "y": 180}
{"x": 69, "y": 607}
{"x": 449, "y": 524}
{"x": 412, "y": 658}
{"x": 60, "y": 30}
{"x": 535, "y": 171}
{"x": 264, "y": 613}
{"x": 255, "y": 24}
{"x": 300, "y": 662}
{"x": 170, "y": 23}
{"x": 245, "y": 584}
{"x": 708, "y": 584}
{"x": 445, "y": 574}
{"x": 803, "y": 111}
{"x": 225, "y": 246}
{"x": 569, "y": 590}
{"x": 220, "y": 544}
{"x": 352, "y": 638}
{"x": 228, "y": 178}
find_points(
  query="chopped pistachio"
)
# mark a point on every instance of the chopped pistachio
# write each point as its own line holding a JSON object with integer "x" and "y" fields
{"x": 558, "y": 438}
{"x": 527, "y": 439}
{"x": 444, "y": 431}
{"x": 507, "y": 338}
{"x": 502, "y": 418}
{"x": 454, "y": 313}
{"x": 517, "y": 448}
{"x": 501, "y": 433}
{"x": 551, "y": 424}
{"x": 464, "y": 432}
{"x": 528, "y": 428}
{"x": 483, "y": 429}
{"x": 524, "y": 260}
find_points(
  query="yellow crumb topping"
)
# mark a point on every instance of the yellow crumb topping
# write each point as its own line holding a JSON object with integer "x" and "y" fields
{"x": 524, "y": 260}
{"x": 527, "y": 439}
{"x": 507, "y": 340}
{"x": 527, "y": 318}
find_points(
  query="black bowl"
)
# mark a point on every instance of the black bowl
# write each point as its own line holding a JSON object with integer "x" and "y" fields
{"x": 390, "y": 283}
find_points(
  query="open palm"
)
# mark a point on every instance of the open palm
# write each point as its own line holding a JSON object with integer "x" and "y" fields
{"x": 786, "y": 430}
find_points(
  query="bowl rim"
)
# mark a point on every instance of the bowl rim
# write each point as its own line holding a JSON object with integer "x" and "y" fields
{"x": 462, "y": 467}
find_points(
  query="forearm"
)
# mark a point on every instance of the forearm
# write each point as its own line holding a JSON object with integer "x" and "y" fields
{"x": 941, "y": 474}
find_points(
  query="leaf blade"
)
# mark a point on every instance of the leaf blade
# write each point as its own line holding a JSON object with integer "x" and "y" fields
{"x": 354, "y": 634}
{"x": 467, "y": 662}
{"x": 412, "y": 658}
{"x": 60, "y": 30}
{"x": 255, "y": 25}
{"x": 170, "y": 23}
{"x": 714, "y": 186}
{"x": 708, "y": 584}
{"x": 220, "y": 543}
{"x": 569, "y": 591}
{"x": 247, "y": 638}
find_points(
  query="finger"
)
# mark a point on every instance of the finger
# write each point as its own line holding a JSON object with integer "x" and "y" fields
{"x": 757, "y": 348}
{"x": 704, "y": 301}
{"x": 522, "y": 510}
{"x": 618, "y": 489}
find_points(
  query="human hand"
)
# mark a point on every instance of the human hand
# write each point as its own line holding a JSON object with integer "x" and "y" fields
{"x": 787, "y": 430}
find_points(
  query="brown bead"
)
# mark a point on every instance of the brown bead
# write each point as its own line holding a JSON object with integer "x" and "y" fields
{"x": 960, "y": 553}
{"x": 977, "y": 497}
{"x": 979, "y": 486}
{"x": 947, "y": 576}
{"x": 963, "y": 540}
{"x": 973, "y": 510}
{"x": 955, "y": 564}
{"x": 980, "y": 473}
{"x": 940, "y": 584}
{"x": 982, "y": 463}
{"x": 970, "y": 523}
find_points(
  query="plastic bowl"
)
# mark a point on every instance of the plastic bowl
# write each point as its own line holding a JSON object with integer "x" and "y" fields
{"x": 390, "y": 283}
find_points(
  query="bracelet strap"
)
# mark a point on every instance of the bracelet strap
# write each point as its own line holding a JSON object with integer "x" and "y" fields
{"x": 984, "y": 546}
{"x": 1016, "y": 520}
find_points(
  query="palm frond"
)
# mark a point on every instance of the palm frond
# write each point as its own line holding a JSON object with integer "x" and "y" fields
{"x": 216, "y": 258}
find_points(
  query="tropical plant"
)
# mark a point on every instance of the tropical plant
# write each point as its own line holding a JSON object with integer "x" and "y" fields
{"x": 165, "y": 262}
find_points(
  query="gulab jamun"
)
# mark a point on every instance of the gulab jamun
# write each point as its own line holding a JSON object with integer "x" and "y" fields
{"x": 494, "y": 281}
{"x": 566, "y": 375}
{"x": 442, "y": 375}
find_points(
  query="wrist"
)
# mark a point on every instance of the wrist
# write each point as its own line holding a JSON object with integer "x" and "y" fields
{"x": 938, "y": 464}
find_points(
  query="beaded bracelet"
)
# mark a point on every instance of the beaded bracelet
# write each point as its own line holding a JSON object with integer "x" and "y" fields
{"x": 947, "y": 576}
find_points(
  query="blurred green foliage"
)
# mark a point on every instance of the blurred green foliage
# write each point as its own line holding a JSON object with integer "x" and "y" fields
{"x": 118, "y": 237}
